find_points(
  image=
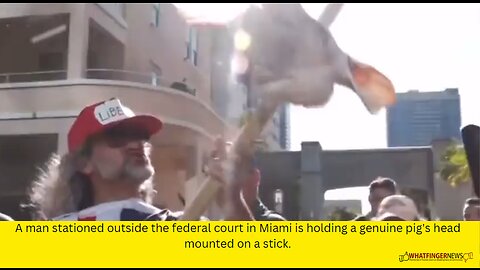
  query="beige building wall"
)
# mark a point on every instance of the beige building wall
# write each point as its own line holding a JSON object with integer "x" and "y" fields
{"x": 126, "y": 41}
{"x": 164, "y": 46}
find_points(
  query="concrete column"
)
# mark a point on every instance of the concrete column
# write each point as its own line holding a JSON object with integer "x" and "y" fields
{"x": 199, "y": 153}
{"x": 311, "y": 187}
{"x": 78, "y": 42}
{"x": 62, "y": 143}
{"x": 194, "y": 181}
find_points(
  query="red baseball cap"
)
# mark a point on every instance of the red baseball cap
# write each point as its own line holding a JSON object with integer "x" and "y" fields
{"x": 98, "y": 117}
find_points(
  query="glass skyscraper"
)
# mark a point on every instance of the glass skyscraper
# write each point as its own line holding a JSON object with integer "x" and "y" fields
{"x": 420, "y": 117}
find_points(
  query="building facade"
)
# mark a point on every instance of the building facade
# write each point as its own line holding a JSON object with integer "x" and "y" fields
{"x": 284, "y": 127}
{"x": 228, "y": 95}
{"x": 418, "y": 118}
{"x": 58, "y": 58}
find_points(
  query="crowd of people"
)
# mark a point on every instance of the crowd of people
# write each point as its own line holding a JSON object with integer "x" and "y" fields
{"x": 107, "y": 175}
{"x": 388, "y": 205}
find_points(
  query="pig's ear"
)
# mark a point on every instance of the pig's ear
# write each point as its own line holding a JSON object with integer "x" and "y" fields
{"x": 201, "y": 15}
{"x": 329, "y": 14}
{"x": 373, "y": 87}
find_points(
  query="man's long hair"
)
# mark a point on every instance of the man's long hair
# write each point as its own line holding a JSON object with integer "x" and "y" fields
{"x": 60, "y": 188}
{"x": 54, "y": 191}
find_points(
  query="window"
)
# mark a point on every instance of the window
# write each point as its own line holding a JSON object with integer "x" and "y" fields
{"x": 154, "y": 79}
{"x": 51, "y": 61}
{"x": 155, "y": 15}
{"x": 156, "y": 74}
{"x": 192, "y": 46}
{"x": 278, "y": 200}
{"x": 188, "y": 50}
{"x": 92, "y": 60}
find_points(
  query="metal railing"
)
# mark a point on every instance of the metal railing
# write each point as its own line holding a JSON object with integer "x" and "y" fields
{"x": 132, "y": 76}
{"x": 99, "y": 74}
{"x": 49, "y": 75}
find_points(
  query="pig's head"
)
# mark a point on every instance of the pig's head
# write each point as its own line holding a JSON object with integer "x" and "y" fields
{"x": 285, "y": 42}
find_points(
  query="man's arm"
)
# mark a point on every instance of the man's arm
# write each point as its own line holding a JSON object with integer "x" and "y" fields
{"x": 230, "y": 196}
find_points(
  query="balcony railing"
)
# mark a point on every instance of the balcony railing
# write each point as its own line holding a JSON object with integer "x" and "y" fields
{"x": 132, "y": 76}
{"x": 51, "y": 75}
{"x": 99, "y": 74}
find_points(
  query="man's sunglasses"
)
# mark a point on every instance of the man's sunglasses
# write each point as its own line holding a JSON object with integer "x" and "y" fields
{"x": 120, "y": 136}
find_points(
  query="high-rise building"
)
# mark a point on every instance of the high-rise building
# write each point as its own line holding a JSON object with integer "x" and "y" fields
{"x": 420, "y": 117}
{"x": 276, "y": 133}
{"x": 229, "y": 96}
{"x": 233, "y": 99}
{"x": 284, "y": 127}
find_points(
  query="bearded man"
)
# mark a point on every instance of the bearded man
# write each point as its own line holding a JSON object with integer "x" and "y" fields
{"x": 107, "y": 172}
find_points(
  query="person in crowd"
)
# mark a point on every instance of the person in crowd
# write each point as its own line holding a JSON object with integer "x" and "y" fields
{"x": 107, "y": 172}
{"x": 379, "y": 189}
{"x": 251, "y": 195}
{"x": 471, "y": 210}
{"x": 397, "y": 208}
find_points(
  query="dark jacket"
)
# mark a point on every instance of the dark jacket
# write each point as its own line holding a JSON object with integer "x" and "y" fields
{"x": 262, "y": 213}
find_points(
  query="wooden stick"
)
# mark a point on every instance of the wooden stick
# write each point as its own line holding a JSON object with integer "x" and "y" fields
{"x": 243, "y": 148}
{"x": 202, "y": 200}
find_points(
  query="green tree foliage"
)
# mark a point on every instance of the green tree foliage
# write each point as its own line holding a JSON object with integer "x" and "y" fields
{"x": 455, "y": 168}
{"x": 341, "y": 214}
